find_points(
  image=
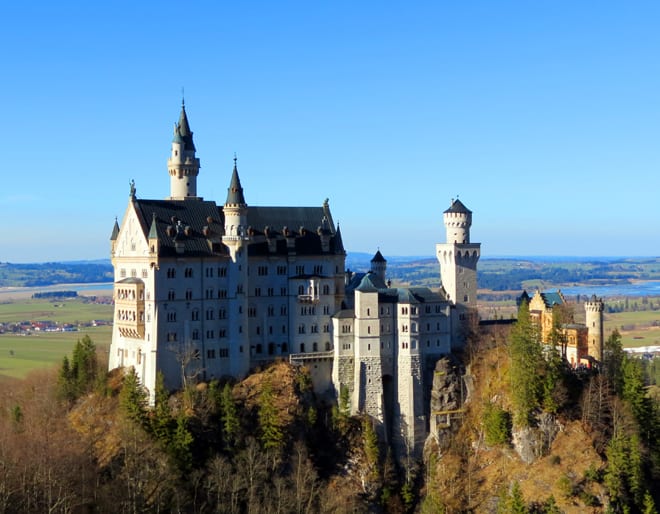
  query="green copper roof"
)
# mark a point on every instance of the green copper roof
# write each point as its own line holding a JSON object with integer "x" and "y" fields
{"x": 153, "y": 230}
{"x": 235, "y": 191}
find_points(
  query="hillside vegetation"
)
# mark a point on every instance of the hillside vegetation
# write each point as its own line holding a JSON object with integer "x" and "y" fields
{"x": 538, "y": 437}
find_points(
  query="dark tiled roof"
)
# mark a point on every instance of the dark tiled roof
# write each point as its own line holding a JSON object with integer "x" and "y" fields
{"x": 306, "y": 225}
{"x": 276, "y": 218}
{"x": 199, "y": 236}
{"x": 339, "y": 244}
{"x": 182, "y": 132}
{"x": 344, "y": 313}
{"x": 458, "y": 207}
{"x": 115, "y": 231}
{"x": 183, "y": 222}
{"x": 378, "y": 257}
{"x": 235, "y": 190}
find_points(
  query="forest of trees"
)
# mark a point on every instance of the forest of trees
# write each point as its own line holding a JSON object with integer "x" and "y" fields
{"x": 83, "y": 440}
{"x": 79, "y": 439}
{"x": 527, "y": 391}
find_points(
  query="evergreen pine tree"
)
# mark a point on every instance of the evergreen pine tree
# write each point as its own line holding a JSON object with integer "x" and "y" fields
{"x": 271, "y": 436}
{"x": 65, "y": 385}
{"x": 133, "y": 398}
{"x": 649, "y": 504}
{"x": 181, "y": 443}
{"x": 526, "y": 362}
{"x": 516, "y": 502}
{"x": 229, "y": 417}
{"x": 161, "y": 416}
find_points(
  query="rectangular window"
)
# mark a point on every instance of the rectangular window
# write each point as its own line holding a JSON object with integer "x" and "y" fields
{"x": 281, "y": 270}
{"x": 210, "y": 354}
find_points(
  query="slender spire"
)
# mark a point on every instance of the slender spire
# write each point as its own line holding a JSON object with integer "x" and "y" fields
{"x": 153, "y": 230}
{"x": 339, "y": 244}
{"x": 115, "y": 231}
{"x": 182, "y": 130}
{"x": 235, "y": 190}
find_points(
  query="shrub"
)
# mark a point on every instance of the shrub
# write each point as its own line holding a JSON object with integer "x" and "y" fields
{"x": 497, "y": 424}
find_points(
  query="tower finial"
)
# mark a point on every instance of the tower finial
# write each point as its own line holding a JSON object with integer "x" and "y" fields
{"x": 235, "y": 159}
{"x": 183, "y": 99}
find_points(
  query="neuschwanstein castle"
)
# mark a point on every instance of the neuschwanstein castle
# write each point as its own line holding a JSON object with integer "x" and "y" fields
{"x": 205, "y": 291}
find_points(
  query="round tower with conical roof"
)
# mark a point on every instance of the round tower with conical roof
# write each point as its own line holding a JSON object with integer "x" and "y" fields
{"x": 458, "y": 266}
{"x": 183, "y": 165}
{"x": 235, "y": 239}
{"x": 594, "y": 308}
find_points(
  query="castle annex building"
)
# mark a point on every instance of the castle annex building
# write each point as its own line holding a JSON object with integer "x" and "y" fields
{"x": 204, "y": 291}
{"x": 581, "y": 343}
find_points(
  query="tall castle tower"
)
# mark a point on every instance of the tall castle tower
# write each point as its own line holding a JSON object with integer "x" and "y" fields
{"x": 594, "y": 320}
{"x": 379, "y": 265}
{"x": 182, "y": 165}
{"x": 236, "y": 239}
{"x": 458, "y": 262}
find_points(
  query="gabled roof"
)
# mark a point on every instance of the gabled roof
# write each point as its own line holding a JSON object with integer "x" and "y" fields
{"x": 458, "y": 207}
{"x": 552, "y": 299}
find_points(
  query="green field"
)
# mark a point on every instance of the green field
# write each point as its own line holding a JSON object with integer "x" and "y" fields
{"x": 71, "y": 310}
{"x": 637, "y": 328}
{"x": 20, "y": 354}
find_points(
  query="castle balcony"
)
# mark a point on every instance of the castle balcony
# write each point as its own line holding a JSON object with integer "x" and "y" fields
{"x": 308, "y": 298}
{"x": 129, "y": 307}
{"x": 301, "y": 357}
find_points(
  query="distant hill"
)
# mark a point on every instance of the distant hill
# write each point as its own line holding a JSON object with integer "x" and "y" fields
{"x": 497, "y": 274}
{"x": 52, "y": 273}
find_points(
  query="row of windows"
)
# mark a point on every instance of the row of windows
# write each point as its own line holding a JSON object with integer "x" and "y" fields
{"x": 313, "y": 329}
{"x": 122, "y": 273}
{"x": 223, "y": 353}
{"x": 187, "y": 272}
{"x": 129, "y": 315}
{"x": 129, "y": 294}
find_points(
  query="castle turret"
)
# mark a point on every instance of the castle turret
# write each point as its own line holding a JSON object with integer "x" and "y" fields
{"x": 236, "y": 240}
{"x": 379, "y": 265}
{"x": 594, "y": 308}
{"x": 182, "y": 165}
{"x": 458, "y": 263}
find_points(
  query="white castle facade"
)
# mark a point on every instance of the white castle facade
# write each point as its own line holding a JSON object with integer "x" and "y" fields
{"x": 204, "y": 291}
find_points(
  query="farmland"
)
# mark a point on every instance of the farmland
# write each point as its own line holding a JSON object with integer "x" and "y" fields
{"x": 24, "y": 346}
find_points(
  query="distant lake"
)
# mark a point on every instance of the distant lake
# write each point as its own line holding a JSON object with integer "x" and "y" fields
{"x": 642, "y": 288}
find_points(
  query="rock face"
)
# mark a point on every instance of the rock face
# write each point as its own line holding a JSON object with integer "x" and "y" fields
{"x": 531, "y": 443}
{"x": 448, "y": 395}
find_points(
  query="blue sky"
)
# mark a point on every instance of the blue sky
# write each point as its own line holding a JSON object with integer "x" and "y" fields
{"x": 543, "y": 116}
